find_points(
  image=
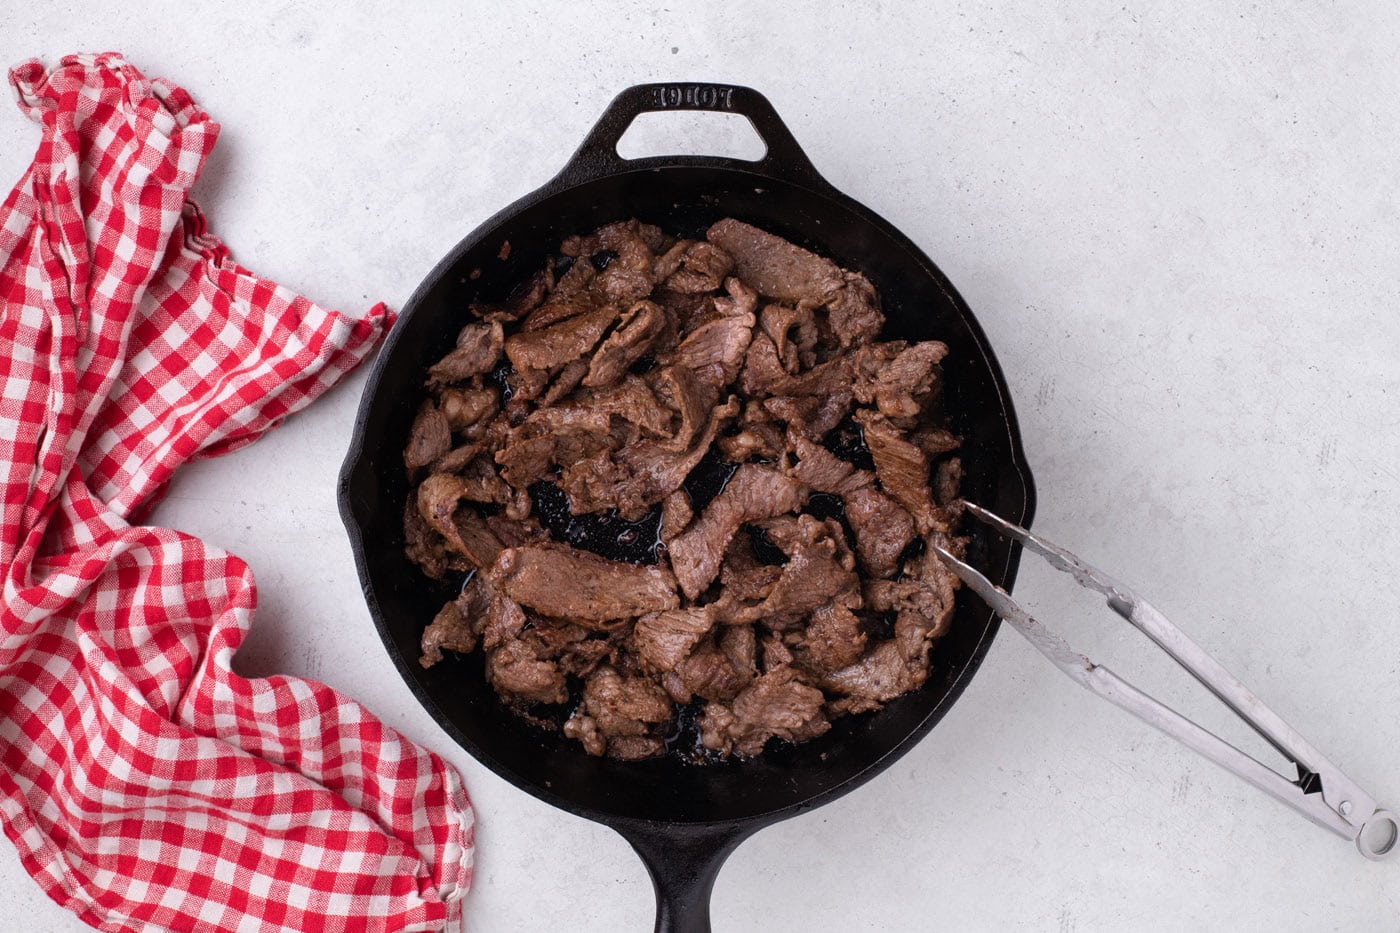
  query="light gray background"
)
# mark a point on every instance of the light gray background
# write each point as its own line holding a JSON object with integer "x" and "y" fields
{"x": 1180, "y": 230}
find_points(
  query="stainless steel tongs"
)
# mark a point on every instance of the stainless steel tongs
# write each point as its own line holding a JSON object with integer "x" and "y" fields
{"x": 1321, "y": 792}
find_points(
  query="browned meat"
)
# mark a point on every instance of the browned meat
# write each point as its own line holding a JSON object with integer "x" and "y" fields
{"x": 763, "y": 373}
{"x": 640, "y": 326}
{"x": 794, "y": 335}
{"x": 744, "y": 579}
{"x": 710, "y": 674}
{"x": 562, "y": 581}
{"x": 833, "y": 639}
{"x": 776, "y": 705}
{"x": 902, "y": 469}
{"x": 465, "y": 407}
{"x": 568, "y": 379}
{"x": 422, "y": 544}
{"x": 684, "y": 391}
{"x": 676, "y": 513}
{"x": 463, "y": 530}
{"x": 820, "y": 571}
{"x": 631, "y": 400}
{"x": 701, "y": 267}
{"x": 853, "y": 313}
{"x": 664, "y": 639}
{"x": 739, "y": 645}
{"x": 811, "y": 416}
{"x": 504, "y": 620}
{"x": 776, "y": 653}
{"x": 523, "y": 299}
{"x": 935, "y": 441}
{"x": 478, "y": 348}
{"x": 762, "y": 441}
{"x": 925, "y": 594}
{"x": 454, "y": 627}
{"x": 823, "y": 471}
{"x": 948, "y": 477}
{"x": 654, "y": 471}
{"x": 562, "y": 304}
{"x": 516, "y": 670}
{"x": 883, "y": 674}
{"x": 428, "y": 439}
{"x": 553, "y": 346}
{"x": 755, "y": 492}
{"x": 902, "y": 387}
{"x": 550, "y": 436}
{"x": 516, "y": 532}
{"x": 714, "y": 351}
{"x": 629, "y": 273}
{"x": 614, "y": 380}
{"x": 882, "y": 528}
{"x": 773, "y": 266}
{"x": 616, "y": 706}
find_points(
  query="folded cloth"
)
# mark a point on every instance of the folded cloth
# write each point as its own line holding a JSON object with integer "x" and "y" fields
{"x": 144, "y": 783}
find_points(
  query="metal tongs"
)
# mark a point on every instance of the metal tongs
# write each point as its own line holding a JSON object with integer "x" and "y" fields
{"x": 1321, "y": 792}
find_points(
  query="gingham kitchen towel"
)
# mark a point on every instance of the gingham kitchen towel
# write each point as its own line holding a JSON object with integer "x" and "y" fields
{"x": 145, "y": 784}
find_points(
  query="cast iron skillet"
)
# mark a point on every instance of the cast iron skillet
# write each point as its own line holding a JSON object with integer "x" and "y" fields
{"x": 682, "y": 819}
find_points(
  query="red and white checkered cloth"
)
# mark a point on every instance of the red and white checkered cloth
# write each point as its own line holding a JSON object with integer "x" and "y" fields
{"x": 145, "y": 784}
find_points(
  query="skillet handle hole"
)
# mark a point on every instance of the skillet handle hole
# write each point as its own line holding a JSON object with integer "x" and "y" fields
{"x": 691, "y": 132}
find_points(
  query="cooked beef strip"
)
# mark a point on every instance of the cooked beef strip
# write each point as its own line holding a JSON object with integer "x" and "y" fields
{"x": 558, "y": 580}
{"x": 880, "y": 676}
{"x": 883, "y": 529}
{"x": 516, "y": 532}
{"x": 629, "y": 342}
{"x": 909, "y": 378}
{"x": 902, "y": 469}
{"x": 794, "y": 335}
{"x": 702, "y": 268}
{"x": 755, "y": 492}
{"x": 739, "y": 645}
{"x": 935, "y": 441}
{"x": 676, "y": 514}
{"x": 820, "y": 571}
{"x": 632, "y": 400}
{"x": 617, "y": 706}
{"x": 516, "y": 670}
{"x": 947, "y": 479}
{"x": 452, "y": 628}
{"x": 561, "y": 305}
{"x": 422, "y": 544}
{"x": 462, "y": 529}
{"x": 832, "y": 640}
{"x": 428, "y": 439}
{"x": 691, "y": 397}
{"x": 614, "y": 385}
{"x": 464, "y": 407}
{"x": 564, "y": 342}
{"x": 773, "y": 266}
{"x": 776, "y": 705}
{"x": 708, "y": 673}
{"x": 714, "y": 351}
{"x": 478, "y": 348}
{"x": 853, "y": 313}
{"x": 664, "y": 639}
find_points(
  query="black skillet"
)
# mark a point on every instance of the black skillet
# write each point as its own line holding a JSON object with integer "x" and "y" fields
{"x": 682, "y": 819}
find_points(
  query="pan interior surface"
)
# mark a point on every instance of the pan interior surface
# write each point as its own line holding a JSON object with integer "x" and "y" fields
{"x": 684, "y": 201}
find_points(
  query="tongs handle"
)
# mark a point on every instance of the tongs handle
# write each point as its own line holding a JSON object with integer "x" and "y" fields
{"x": 1321, "y": 792}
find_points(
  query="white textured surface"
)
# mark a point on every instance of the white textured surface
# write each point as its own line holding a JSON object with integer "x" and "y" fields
{"x": 1182, "y": 234}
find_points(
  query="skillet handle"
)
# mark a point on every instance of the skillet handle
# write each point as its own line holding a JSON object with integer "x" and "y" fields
{"x": 598, "y": 157}
{"x": 683, "y": 862}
